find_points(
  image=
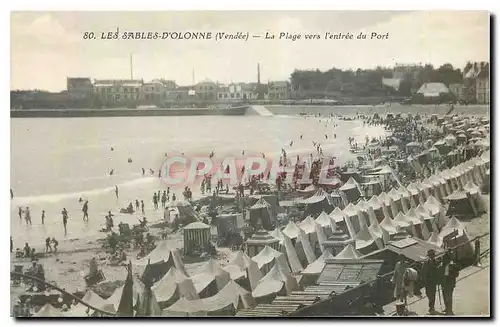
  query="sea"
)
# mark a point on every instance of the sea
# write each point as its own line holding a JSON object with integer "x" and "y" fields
{"x": 57, "y": 161}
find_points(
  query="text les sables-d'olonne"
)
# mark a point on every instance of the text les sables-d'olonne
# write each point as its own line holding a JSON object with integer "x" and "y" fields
{"x": 220, "y": 36}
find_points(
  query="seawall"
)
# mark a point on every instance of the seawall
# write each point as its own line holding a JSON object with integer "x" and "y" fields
{"x": 55, "y": 113}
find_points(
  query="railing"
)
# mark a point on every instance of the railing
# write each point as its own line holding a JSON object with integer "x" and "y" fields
{"x": 103, "y": 312}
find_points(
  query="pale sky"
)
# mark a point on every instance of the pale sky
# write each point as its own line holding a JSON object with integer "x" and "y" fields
{"x": 47, "y": 47}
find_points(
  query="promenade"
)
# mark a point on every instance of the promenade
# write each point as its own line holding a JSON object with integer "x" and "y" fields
{"x": 470, "y": 298}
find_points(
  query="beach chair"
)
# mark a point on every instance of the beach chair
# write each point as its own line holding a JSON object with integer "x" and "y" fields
{"x": 16, "y": 280}
{"x": 95, "y": 278}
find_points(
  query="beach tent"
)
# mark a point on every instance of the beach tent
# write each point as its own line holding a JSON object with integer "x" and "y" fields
{"x": 259, "y": 241}
{"x": 438, "y": 187}
{"x": 308, "y": 225}
{"x": 365, "y": 242}
{"x": 352, "y": 190}
{"x": 269, "y": 257}
{"x": 349, "y": 252}
{"x": 461, "y": 205}
{"x": 338, "y": 241}
{"x": 389, "y": 227}
{"x": 277, "y": 234}
{"x": 454, "y": 233}
{"x": 407, "y": 199}
{"x": 447, "y": 182}
{"x": 389, "y": 207}
{"x": 81, "y": 310}
{"x": 291, "y": 230}
{"x": 378, "y": 208}
{"x": 319, "y": 201}
{"x": 427, "y": 218}
{"x": 159, "y": 261}
{"x": 314, "y": 232}
{"x": 209, "y": 279}
{"x": 415, "y": 194}
{"x": 277, "y": 281}
{"x": 372, "y": 187}
{"x": 174, "y": 285}
{"x": 137, "y": 288}
{"x": 475, "y": 196}
{"x": 367, "y": 212}
{"x": 321, "y": 237}
{"x": 226, "y": 302}
{"x": 436, "y": 239}
{"x": 242, "y": 266}
{"x": 338, "y": 216}
{"x": 147, "y": 305}
{"x": 380, "y": 236}
{"x": 312, "y": 271}
{"x": 291, "y": 254}
{"x": 261, "y": 214}
{"x": 353, "y": 220}
{"x": 396, "y": 196}
{"x": 308, "y": 191}
{"x": 339, "y": 199}
{"x": 325, "y": 222}
{"x": 425, "y": 189}
{"x": 306, "y": 246}
{"x": 416, "y": 224}
{"x": 402, "y": 222}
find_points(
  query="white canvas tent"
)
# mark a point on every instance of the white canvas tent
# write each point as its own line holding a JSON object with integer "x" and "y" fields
{"x": 349, "y": 252}
{"x": 269, "y": 257}
{"x": 324, "y": 221}
{"x": 352, "y": 219}
{"x": 390, "y": 227}
{"x": 209, "y": 274}
{"x": 276, "y": 282}
{"x": 242, "y": 265}
{"x": 338, "y": 215}
{"x": 232, "y": 297}
{"x": 365, "y": 242}
{"x": 291, "y": 254}
{"x": 95, "y": 300}
{"x": 396, "y": 196}
{"x": 173, "y": 286}
{"x": 436, "y": 239}
{"x": 380, "y": 236}
{"x": 137, "y": 289}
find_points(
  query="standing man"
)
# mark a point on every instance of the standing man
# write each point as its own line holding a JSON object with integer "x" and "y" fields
{"x": 431, "y": 278}
{"x": 43, "y": 217}
{"x": 27, "y": 216}
{"x": 116, "y": 191}
{"x": 451, "y": 273}
{"x": 164, "y": 199}
{"x": 65, "y": 219}
{"x": 155, "y": 201}
{"x": 142, "y": 206}
{"x": 47, "y": 245}
{"x": 85, "y": 210}
{"x": 20, "y": 212}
